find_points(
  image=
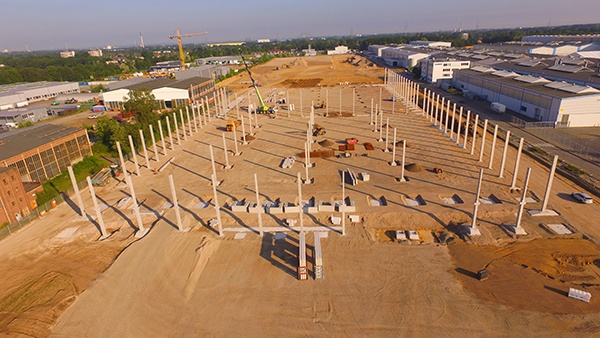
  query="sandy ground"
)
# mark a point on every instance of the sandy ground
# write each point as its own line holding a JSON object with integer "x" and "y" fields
{"x": 61, "y": 281}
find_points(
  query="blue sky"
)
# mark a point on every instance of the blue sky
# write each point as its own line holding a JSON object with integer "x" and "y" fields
{"x": 84, "y": 24}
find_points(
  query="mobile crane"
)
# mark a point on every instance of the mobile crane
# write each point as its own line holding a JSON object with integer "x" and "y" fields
{"x": 262, "y": 108}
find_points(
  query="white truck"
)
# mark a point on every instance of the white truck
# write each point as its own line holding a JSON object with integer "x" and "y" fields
{"x": 498, "y": 107}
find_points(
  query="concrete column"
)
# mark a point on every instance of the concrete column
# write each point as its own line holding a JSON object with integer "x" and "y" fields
{"x": 103, "y": 233}
{"x": 446, "y": 117}
{"x": 235, "y": 142}
{"x": 162, "y": 139}
{"x": 452, "y": 123}
{"x": 177, "y": 130}
{"x": 187, "y": 113}
{"x": 175, "y": 203}
{"x": 393, "y": 101}
{"x": 353, "y": 101}
{"x": 436, "y": 119}
{"x": 227, "y": 166}
{"x": 474, "y": 136}
{"x": 77, "y": 194}
{"x": 136, "y": 210}
{"x": 307, "y": 162}
{"x": 544, "y": 211}
{"x": 145, "y": 149}
{"x": 300, "y": 202}
{"x": 208, "y": 111}
{"x": 381, "y": 127}
{"x": 468, "y": 120}
{"x": 203, "y": 115}
{"x": 154, "y": 148}
{"x": 458, "y": 130}
{"x": 122, "y": 160}
{"x": 518, "y": 230}
{"x": 393, "y": 163}
{"x": 493, "y": 150}
{"x": 513, "y": 184}
{"x": 182, "y": 125}
{"x": 212, "y": 160}
{"x": 243, "y": 132}
{"x": 134, "y": 155}
{"x": 344, "y": 207}
{"x": 170, "y": 133}
{"x": 402, "y": 179}
{"x": 387, "y": 135}
{"x": 326, "y": 102}
{"x": 237, "y": 106}
{"x": 259, "y": 207}
{"x": 483, "y": 137}
{"x": 371, "y": 111}
{"x": 195, "y": 121}
{"x": 217, "y": 206}
{"x": 503, "y": 162}
{"x": 473, "y": 229}
{"x": 250, "y": 122}
{"x": 380, "y": 93}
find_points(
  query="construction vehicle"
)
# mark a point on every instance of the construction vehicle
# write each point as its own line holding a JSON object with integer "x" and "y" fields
{"x": 233, "y": 124}
{"x": 318, "y": 130}
{"x": 179, "y": 36}
{"x": 262, "y": 107}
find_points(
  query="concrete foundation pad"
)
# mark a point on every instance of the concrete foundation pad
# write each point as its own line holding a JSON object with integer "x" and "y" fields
{"x": 335, "y": 220}
{"x": 86, "y": 218}
{"x": 67, "y": 233}
{"x": 354, "y": 218}
{"x": 238, "y": 154}
{"x": 227, "y": 167}
{"x": 560, "y": 229}
{"x": 280, "y": 235}
{"x": 473, "y": 231}
{"x": 413, "y": 235}
{"x": 518, "y": 230}
{"x": 102, "y": 238}
{"x": 547, "y": 212}
{"x": 188, "y": 229}
{"x": 284, "y": 229}
{"x": 240, "y": 235}
{"x": 201, "y": 205}
{"x": 322, "y": 234}
{"x": 167, "y": 205}
{"x": 393, "y": 164}
{"x": 141, "y": 233}
{"x": 308, "y": 181}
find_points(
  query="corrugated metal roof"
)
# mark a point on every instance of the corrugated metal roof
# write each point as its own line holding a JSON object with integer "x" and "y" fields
{"x": 18, "y": 141}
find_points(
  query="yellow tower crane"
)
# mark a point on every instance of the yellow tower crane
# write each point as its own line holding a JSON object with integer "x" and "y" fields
{"x": 179, "y": 36}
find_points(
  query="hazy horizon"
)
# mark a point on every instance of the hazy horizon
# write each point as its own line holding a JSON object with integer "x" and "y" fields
{"x": 77, "y": 25}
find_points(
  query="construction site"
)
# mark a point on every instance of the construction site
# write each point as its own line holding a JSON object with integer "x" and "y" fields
{"x": 356, "y": 204}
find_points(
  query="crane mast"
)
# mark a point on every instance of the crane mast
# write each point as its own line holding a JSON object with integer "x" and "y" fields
{"x": 263, "y": 108}
{"x": 179, "y": 36}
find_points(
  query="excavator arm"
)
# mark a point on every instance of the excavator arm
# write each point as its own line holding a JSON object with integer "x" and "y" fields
{"x": 263, "y": 108}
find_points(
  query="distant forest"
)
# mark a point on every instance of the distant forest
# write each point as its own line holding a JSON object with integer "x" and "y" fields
{"x": 49, "y": 66}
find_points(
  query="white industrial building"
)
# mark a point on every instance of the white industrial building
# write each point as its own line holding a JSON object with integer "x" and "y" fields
{"x": 169, "y": 93}
{"x": 219, "y": 60}
{"x": 402, "y": 57}
{"x": 533, "y": 96}
{"x": 435, "y": 69}
{"x": 431, "y": 44}
{"x": 377, "y": 49}
{"x": 21, "y": 94}
{"x": 339, "y": 50}
{"x": 13, "y": 117}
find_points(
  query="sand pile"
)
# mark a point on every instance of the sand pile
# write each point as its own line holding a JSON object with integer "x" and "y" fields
{"x": 249, "y": 138}
{"x": 413, "y": 167}
{"x": 326, "y": 143}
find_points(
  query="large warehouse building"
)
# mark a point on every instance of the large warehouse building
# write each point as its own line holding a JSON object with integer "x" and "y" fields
{"x": 169, "y": 93}
{"x": 43, "y": 151}
{"x": 22, "y": 94}
{"x": 533, "y": 96}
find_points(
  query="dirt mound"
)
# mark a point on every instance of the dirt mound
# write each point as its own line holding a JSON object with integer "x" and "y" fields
{"x": 326, "y": 143}
{"x": 413, "y": 167}
{"x": 399, "y": 144}
{"x": 301, "y": 83}
{"x": 250, "y": 138}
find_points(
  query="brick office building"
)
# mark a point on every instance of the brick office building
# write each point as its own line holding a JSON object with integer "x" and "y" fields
{"x": 15, "y": 200}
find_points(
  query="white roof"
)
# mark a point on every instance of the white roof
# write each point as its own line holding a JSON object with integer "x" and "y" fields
{"x": 571, "y": 88}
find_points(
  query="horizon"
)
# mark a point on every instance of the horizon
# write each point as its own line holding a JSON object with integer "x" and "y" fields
{"x": 56, "y": 28}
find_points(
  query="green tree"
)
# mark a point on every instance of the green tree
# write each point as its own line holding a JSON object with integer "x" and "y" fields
{"x": 97, "y": 89}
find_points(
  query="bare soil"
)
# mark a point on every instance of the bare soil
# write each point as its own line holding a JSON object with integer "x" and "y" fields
{"x": 60, "y": 281}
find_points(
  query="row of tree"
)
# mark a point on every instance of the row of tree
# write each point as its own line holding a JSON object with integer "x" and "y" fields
{"x": 46, "y": 66}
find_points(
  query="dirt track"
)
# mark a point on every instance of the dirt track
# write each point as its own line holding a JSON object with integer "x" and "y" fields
{"x": 177, "y": 284}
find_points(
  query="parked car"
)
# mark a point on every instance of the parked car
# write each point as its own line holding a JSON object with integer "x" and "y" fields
{"x": 582, "y": 198}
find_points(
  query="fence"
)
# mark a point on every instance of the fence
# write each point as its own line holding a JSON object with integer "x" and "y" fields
{"x": 538, "y": 124}
{"x": 567, "y": 142}
{"x": 8, "y": 229}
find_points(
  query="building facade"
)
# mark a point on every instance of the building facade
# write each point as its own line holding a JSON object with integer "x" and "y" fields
{"x": 15, "y": 201}
{"x": 43, "y": 151}
{"x": 21, "y": 94}
{"x": 401, "y": 57}
{"x": 433, "y": 70}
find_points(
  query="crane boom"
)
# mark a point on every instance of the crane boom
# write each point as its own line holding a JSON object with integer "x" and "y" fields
{"x": 263, "y": 108}
{"x": 179, "y": 36}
